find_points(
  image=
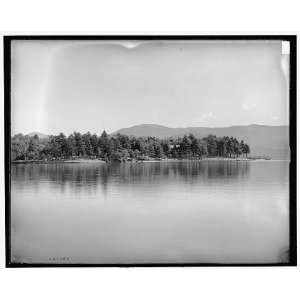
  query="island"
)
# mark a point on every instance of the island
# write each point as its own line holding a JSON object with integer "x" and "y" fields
{"x": 86, "y": 147}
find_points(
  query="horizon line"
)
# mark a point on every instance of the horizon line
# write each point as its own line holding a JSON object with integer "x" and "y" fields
{"x": 153, "y": 124}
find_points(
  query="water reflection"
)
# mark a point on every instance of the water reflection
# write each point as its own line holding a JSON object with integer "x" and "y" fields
{"x": 89, "y": 175}
{"x": 207, "y": 211}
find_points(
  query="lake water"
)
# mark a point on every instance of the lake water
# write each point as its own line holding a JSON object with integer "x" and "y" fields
{"x": 154, "y": 212}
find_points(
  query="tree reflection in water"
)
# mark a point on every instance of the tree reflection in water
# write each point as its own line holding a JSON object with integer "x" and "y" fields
{"x": 89, "y": 176}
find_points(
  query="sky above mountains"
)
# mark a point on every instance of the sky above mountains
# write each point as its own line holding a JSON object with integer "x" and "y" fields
{"x": 62, "y": 86}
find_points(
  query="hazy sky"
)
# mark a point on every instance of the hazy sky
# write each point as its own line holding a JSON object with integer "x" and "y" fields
{"x": 66, "y": 86}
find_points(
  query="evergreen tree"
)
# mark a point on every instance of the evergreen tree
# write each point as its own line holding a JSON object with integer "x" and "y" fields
{"x": 121, "y": 147}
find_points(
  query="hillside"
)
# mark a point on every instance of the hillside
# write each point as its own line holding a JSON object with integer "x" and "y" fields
{"x": 271, "y": 141}
{"x": 40, "y": 135}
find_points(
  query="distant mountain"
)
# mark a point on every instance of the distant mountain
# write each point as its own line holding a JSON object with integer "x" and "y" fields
{"x": 40, "y": 135}
{"x": 152, "y": 130}
{"x": 272, "y": 141}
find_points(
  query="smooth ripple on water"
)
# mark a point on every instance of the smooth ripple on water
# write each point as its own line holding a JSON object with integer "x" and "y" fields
{"x": 158, "y": 212}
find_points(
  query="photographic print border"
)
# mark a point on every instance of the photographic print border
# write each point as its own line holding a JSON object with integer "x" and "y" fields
{"x": 292, "y": 138}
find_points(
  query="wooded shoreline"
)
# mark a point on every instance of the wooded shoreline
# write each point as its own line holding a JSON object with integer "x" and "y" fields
{"x": 122, "y": 148}
{"x": 135, "y": 161}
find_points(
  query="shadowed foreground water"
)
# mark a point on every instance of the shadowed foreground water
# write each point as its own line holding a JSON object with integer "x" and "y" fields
{"x": 158, "y": 212}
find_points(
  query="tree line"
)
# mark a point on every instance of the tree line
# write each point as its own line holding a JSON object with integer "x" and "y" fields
{"x": 122, "y": 147}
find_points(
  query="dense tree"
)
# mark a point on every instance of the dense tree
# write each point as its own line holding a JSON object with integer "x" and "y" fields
{"x": 246, "y": 150}
{"x": 212, "y": 145}
{"x": 122, "y": 148}
{"x": 19, "y": 146}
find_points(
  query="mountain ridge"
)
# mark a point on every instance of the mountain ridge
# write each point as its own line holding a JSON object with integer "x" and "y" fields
{"x": 265, "y": 140}
{"x": 39, "y": 134}
{"x": 193, "y": 127}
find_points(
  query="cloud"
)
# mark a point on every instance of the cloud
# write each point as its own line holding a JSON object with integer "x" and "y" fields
{"x": 248, "y": 106}
{"x": 207, "y": 116}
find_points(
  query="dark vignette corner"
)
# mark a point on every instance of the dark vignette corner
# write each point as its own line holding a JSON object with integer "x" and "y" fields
{"x": 293, "y": 149}
{"x": 293, "y": 131}
{"x": 7, "y": 122}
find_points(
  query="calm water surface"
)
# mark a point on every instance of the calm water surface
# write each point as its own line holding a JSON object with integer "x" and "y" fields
{"x": 209, "y": 211}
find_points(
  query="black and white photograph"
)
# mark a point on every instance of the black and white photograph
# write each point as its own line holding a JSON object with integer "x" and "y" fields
{"x": 150, "y": 151}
